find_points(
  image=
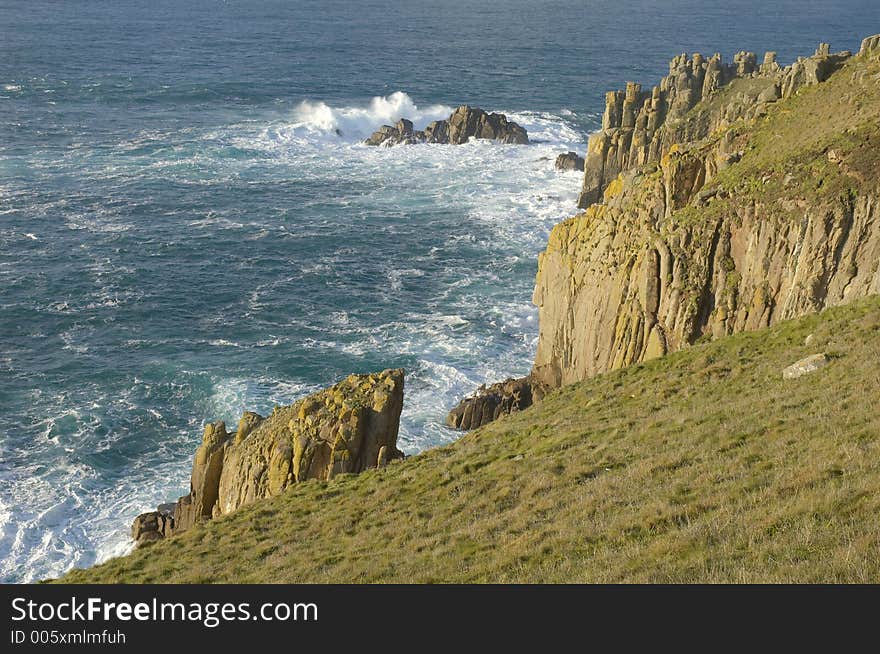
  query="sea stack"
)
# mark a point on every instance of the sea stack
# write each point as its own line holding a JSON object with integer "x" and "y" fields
{"x": 463, "y": 124}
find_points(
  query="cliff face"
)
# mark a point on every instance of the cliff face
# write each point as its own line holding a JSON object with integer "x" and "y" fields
{"x": 347, "y": 428}
{"x": 735, "y": 198}
{"x": 727, "y": 198}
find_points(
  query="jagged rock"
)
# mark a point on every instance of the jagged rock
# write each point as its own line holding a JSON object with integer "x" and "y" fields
{"x": 745, "y": 63}
{"x": 770, "y": 65}
{"x": 640, "y": 127}
{"x": 249, "y": 421}
{"x": 154, "y": 525}
{"x": 207, "y": 466}
{"x": 437, "y": 132}
{"x": 383, "y": 135}
{"x": 636, "y": 275}
{"x": 463, "y": 124}
{"x": 347, "y": 428}
{"x": 811, "y": 70}
{"x": 489, "y": 403}
{"x": 569, "y": 161}
{"x": 805, "y": 366}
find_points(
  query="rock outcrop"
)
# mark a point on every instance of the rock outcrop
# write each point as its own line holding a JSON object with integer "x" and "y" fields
{"x": 736, "y": 219}
{"x": 489, "y": 403}
{"x": 723, "y": 200}
{"x": 347, "y": 428}
{"x": 153, "y": 526}
{"x": 639, "y": 127}
{"x": 570, "y": 161}
{"x": 464, "y": 123}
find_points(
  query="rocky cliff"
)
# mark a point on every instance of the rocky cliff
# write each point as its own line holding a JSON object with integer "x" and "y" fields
{"x": 728, "y": 198}
{"x": 347, "y": 428}
{"x": 639, "y": 127}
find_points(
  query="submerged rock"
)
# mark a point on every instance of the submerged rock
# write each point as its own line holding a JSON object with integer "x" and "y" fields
{"x": 346, "y": 428}
{"x": 463, "y": 124}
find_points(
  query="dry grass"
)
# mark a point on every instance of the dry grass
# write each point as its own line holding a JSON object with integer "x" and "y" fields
{"x": 703, "y": 466}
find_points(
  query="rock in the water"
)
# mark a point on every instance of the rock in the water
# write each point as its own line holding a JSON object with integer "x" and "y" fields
{"x": 805, "y": 366}
{"x": 385, "y": 134}
{"x": 467, "y": 122}
{"x": 491, "y": 402}
{"x": 464, "y": 123}
{"x": 347, "y": 428}
{"x": 570, "y": 161}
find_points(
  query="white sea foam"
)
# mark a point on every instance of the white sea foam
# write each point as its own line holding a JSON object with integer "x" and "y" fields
{"x": 504, "y": 199}
{"x": 356, "y": 123}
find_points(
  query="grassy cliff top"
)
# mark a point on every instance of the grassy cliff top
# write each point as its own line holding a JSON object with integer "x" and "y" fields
{"x": 702, "y": 466}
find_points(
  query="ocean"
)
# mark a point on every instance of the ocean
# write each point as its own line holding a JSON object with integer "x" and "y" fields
{"x": 189, "y": 226}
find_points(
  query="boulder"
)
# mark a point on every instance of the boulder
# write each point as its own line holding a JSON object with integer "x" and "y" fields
{"x": 154, "y": 525}
{"x": 346, "y": 428}
{"x": 463, "y": 124}
{"x": 489, "y": 403}
{"x": 869, "y": 45}
{"x": 805, "y": 366}
{"x": 570, "y": 161}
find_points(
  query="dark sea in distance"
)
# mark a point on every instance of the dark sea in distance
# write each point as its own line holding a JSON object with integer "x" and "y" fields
{"x": 184, "y": 235}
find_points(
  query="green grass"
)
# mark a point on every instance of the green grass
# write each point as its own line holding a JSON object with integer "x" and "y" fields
{"x": 703, "y": 466}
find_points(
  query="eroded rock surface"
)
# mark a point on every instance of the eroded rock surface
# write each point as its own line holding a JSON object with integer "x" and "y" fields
{"x": 675, "y": 249}
{"x": 347, "y": 428}
{"x": 640, "y": 127}
{"x": 489, "y": 403}
{"x": 697, "y": 226}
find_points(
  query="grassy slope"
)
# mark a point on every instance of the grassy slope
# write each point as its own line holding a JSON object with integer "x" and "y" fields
{"x": 701, "y": 466}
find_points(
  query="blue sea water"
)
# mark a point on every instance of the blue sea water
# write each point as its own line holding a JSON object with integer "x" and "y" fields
{"x": 184, "y": 234}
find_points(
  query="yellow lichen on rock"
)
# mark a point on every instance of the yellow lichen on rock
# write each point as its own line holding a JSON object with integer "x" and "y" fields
{"x": 347, "y": 428}
{"x": 736, "y": 224}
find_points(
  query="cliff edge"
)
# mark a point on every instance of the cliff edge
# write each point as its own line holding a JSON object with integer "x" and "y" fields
{"x": 726, "y": 199}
